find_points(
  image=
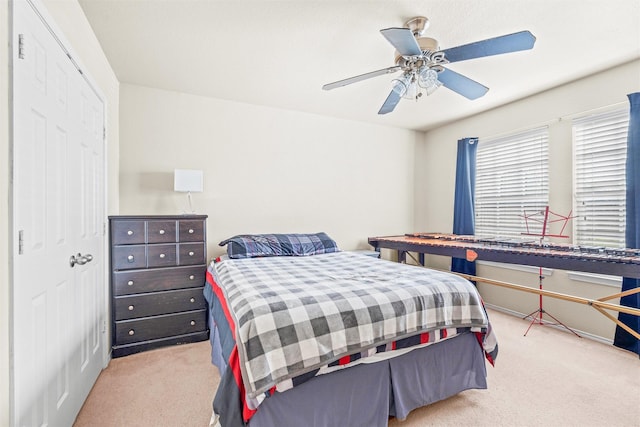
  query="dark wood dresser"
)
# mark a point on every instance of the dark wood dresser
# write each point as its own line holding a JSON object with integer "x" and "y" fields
{"x": 158, "y": 266}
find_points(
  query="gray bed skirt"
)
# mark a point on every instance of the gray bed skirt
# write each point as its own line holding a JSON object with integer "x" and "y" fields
{"x": 369, "y": 393}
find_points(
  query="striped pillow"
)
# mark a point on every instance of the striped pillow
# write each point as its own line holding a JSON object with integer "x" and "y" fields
{"x": 264, "y": 245}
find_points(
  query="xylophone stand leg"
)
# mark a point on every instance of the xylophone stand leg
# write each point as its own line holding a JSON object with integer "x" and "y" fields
{"x": 536, "y": 315}
{"x": 538, "y": 321}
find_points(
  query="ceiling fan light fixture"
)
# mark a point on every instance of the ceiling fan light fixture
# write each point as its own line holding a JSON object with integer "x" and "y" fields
{"x": 406, "y": 87}
{"x": 428, "y": 80}
{"x": 413, "y": 91}
{"x": 401, "y": 85}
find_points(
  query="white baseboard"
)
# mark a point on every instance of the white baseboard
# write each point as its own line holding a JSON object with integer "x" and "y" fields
{"x": 560, "y": 328}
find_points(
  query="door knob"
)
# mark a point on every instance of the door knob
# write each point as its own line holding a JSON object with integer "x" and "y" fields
{"x": 80, "y": 259}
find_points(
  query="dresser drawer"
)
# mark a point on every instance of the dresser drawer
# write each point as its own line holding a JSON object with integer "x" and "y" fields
{"x": 143, "y": 305}
{"x": 161, "y": 256}
{"x": 191, "y": 253}
{"x": 127, "y": 232}
{"x": 128, "y": 257}
{"x": 161, "y": 231}
{"x": 142, "y": 281}
{"x": 149, "y": 328}
{"x": 191, "y": 231}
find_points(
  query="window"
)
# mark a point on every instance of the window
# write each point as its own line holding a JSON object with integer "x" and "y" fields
{"x": 512, "y": 180}
{"x": 600, "y": 151}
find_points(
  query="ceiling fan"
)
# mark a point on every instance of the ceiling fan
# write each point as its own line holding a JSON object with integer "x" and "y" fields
{"x": 422, "y": 62}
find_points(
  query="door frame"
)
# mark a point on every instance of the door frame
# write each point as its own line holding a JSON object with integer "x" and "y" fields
{"x": 40, "y": 10}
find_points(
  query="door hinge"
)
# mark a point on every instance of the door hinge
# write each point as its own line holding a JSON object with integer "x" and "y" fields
{"x": 104, "y": 134}
{"x": 21, "y": 46}
{"x": 104, "y": 326}
{"x": 20, "y": 242}
{"x": 104, "y": 228}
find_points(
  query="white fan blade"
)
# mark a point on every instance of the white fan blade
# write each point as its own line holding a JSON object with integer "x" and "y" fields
{"x": 361, "y": 77}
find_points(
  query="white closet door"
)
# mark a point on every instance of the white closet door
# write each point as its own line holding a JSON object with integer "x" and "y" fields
{"x": 58, "y": 194}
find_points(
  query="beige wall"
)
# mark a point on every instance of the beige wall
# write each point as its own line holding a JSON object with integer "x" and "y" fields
{"x": 265, "y": 170}
{"x": 70, "y": 20}
{"x": 435, "y": 178}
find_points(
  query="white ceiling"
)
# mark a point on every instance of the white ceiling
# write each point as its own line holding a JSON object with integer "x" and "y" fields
{"x": 280, "y": 53}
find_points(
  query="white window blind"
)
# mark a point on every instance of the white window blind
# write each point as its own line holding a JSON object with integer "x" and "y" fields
{"x": 600, "y": 151}
{"x": 512, "y": 180}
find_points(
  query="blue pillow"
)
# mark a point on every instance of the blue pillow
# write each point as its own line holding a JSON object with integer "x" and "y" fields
{"x": 264, "y": 245}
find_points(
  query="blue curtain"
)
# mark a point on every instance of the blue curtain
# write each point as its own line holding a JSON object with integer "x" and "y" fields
{"x": 463, "y": 207}
{"x": 622, "y": 338}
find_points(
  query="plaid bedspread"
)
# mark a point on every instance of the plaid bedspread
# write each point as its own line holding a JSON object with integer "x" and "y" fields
{"x": 295, "y": 314}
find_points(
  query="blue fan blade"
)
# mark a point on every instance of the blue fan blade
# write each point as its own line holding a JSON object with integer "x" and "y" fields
{"x": 391, "y": 102}
{"x": 403, "y": 40}
{"x": 463, "y": 85}
{"x": 504, "y": 44}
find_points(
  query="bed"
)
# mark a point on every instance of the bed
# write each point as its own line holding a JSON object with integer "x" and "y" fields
{"x": 305, "y": 334}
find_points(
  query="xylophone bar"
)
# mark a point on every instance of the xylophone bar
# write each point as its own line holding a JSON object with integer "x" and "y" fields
{"x": 616, "y": 262}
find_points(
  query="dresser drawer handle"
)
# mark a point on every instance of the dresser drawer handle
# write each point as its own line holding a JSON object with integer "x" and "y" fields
{"x": 130, "y": 233}
{"x": 161, "y": 231}
{"x": 131, "y": 332}
{"x": 130, "y": 258}
{"x": 162, "y": 255}
{"x": 192, "y": 300}
{"x": 130, "y": 283}
{"x": 193, "y": 323}
{"x": 130, "y": 308}
{"x": 191, "y": 231}
{"x": 192, "y": 277}
{"x": 191, "y": 253}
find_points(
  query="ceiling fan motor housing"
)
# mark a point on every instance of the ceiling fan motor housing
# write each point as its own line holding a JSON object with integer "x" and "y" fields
{"x": 427, "y": 44}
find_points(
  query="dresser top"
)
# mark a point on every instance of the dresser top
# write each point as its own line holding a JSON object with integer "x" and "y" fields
{"x": 184, "y": 216}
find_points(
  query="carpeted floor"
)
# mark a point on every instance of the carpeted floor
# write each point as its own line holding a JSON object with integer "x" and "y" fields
{"x": 173, "y": 386}
{"x": 548, "y": 378}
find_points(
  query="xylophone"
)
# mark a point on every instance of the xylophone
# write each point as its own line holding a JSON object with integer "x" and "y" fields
{"x": 618, "y": 262}
{"x": 613, "y": 261}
